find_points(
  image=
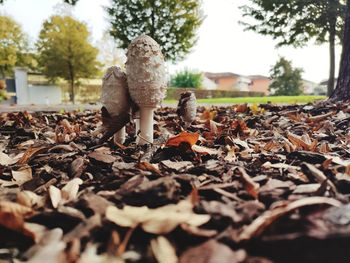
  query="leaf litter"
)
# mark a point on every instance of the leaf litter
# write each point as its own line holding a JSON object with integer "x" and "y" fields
{"x": 260, "y": 183}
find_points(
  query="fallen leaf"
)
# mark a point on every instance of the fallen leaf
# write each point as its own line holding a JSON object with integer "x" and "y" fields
{"x": 70, "y": 190}
{"x": 183, "y": 137}
{"x": 251, "y": 187}
{"x": 177, "y": 166}
{"x": 210, "y": 252}
{"x": 12, "y": 215}
{"x": 258, "y": 226}
{"x": 146, "y": 166}
{"x": 160, "y": 220}
{"x": 163, "y": 251}
{"x": 102, "y": 158}
{"x": 30, "y": 199}
{"x": 6, "y": 160}
{"x": 204, "y": 150}
{"x": 51, "y": 248}
{"x": 23, "y": 175}
{"x": 55, "y": 196}
{"x": 241, "y": 108}
{"x": 30, "y": 154}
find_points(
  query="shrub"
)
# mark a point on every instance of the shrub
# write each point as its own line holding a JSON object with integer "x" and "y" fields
{"x": 186, "y": 79}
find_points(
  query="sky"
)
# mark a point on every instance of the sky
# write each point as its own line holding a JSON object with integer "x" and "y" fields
{"x": 223, "y": 45}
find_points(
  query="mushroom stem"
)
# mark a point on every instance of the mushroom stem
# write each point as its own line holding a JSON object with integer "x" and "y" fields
{"x": 119, "y": 136}
{"x": 137, "y": 125}
{"x": 146, "y": 125}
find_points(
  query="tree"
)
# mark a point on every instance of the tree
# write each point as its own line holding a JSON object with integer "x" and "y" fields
{"x": 109, "y": 53}
{"x": 172, "y": 23}
{"x": 342, "y": 91}
{"x": 286, "y": 80}
{"x": 186, "y": 79}
{"x": 295, "y": 22}
{"x": 14, "y": 49}
{"x": 65, "y": 51}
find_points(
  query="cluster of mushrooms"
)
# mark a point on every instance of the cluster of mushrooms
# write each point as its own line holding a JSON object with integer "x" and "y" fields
{"x": 138, "y": 92}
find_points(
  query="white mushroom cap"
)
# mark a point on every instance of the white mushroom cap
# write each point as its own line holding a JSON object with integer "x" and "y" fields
{"x": 115, "y": 94}
{"x": 146, "y": 74}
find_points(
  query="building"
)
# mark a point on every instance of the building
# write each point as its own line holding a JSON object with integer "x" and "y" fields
{"x": 225, "y": 81}
{"x": 259, "y": 84}
{"x": 323, "y": 87}
{"x": 311, "y": 88}
{"x": 232, "y": 81}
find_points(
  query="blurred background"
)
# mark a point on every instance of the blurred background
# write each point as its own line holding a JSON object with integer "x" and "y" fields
{"x": 56, "y": 51}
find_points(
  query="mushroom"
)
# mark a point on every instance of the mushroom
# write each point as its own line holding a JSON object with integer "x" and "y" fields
{"x": 116, "y": 101}
{"x": 187, "y": 107}
{"x": 146, "y": 76}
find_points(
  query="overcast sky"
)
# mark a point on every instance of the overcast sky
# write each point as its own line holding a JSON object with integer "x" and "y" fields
{"x": 223, "y": 46}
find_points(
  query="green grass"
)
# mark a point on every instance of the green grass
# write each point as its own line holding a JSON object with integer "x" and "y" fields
{"x": 258, "y": 100}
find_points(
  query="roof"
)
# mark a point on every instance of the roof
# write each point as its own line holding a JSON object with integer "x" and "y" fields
{"x": 211, "y": 75}
{"x": 325, "y": 82}
{"x": 254, "y": 77}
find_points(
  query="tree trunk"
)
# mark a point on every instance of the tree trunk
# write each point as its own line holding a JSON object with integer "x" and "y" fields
{"x": 331, "y": 80}
{"x": 72, "y": 93}
{"x": 71, "y": 80}
{"x": 342, "y": 91}
{"x": 332, "y": 23}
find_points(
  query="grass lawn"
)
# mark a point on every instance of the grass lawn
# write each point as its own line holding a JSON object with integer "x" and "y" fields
{"x": 258, "y": 100}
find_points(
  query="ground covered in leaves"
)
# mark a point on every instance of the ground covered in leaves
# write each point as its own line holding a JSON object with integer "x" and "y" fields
{"x": 241, "y": 184}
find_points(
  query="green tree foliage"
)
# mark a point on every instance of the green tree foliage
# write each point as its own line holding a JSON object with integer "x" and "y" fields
{"x": 14, "y": 49}
{"x": 295, "y": 22}
{"x": 172, "y": 23}
{"x": 186, "y": 79}
{"x": 286, "y": 80}
{"x": 65, "y": 51}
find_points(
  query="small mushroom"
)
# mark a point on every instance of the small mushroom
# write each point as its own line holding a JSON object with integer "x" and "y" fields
{"x": 146, "y": 76}
{"x": 187, "y": 107}
{"x": 116, "y": 100}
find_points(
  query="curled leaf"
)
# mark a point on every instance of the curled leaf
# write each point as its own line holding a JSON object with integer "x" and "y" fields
{"x": 183, "y": 137}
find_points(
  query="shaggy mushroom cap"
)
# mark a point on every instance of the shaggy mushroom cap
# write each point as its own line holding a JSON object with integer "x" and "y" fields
{"x": 146, "y": 74}
{"x": 115, "y": 94}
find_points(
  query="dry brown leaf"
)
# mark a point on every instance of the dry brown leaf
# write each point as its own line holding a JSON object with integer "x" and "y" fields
{"x": 251, "y": 187}
{"x": 319, "y": 118}
{"x": 210, "y": 252}
{"x": 258, "y": 226}
{"x": 204, "y": 150}
{"x": 303, "y": 142}
{"x": 183, "y": 137}
{"x": 319, "y": 176}
{"x": 208, "y": 115}
{"x": 30, "y": 199}
{"x": 50, "y": 248}
{"x": 23, "y": 175}
{"x": 70, "y": 190}
{"x": 102, "y": 157}
{"x": 30, "y": 154}
{"x": 55, "y": 196}
{"x": 146, "y": 166}
{"x": 6, "y": 160}
{"x": 239, "y": 126}
{"x": 12, "y": 215}
{"x": 160, "y": 220}
{"x": 242, "y": 108}
{"x": 163, "y": 251}
{"x": 178, "y": 166}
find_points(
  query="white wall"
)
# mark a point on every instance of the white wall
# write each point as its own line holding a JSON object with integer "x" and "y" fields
{"x": 42, "y": 94}
{"x": 21, "y": 80}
